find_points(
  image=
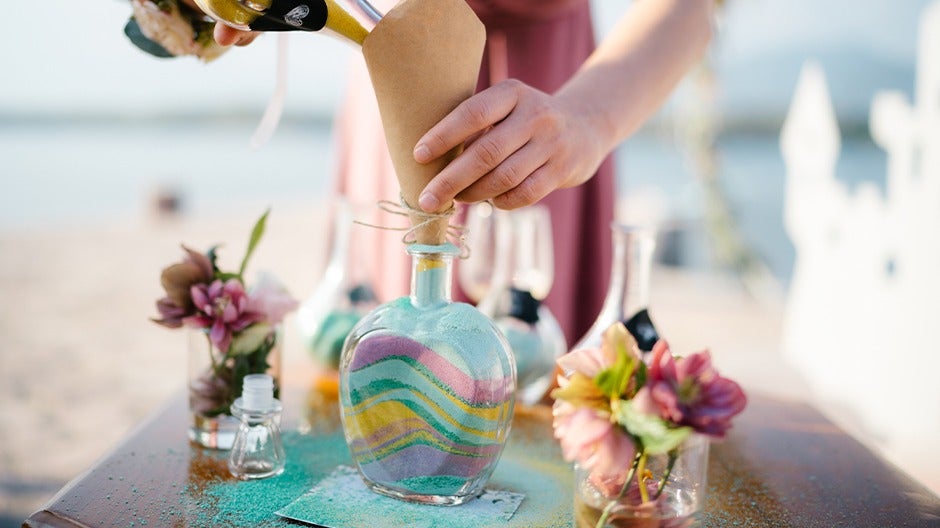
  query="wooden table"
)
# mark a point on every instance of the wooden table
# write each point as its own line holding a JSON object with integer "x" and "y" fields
{"x": 783, "y": 464}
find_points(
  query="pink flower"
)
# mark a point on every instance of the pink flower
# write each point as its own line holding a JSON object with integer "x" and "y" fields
{"x": 589, "y": 437}
{"x": 270, "y": 298}
{"x": 224, "y": 308}
{"x": 689, "y": 391}
{"x": 587, "y": 361}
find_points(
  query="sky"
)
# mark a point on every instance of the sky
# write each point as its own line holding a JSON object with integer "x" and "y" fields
{"x": 71, "y": 57}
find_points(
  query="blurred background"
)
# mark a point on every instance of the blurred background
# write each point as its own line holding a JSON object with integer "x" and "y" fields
{"x": 97, "y": 138}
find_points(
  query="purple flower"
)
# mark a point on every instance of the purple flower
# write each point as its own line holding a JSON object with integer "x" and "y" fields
{"x": 223, "y": 307}
{"x": 689, "y": 391}
{"x": 177, "y": 281}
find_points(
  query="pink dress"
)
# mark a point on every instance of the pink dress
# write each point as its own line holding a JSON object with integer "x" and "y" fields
{"x": 542, "y": 43}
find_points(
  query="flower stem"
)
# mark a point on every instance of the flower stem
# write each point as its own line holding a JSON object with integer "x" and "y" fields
{"x": 673, "y": 456}
{"x": 215, "y": 366}
{"x": 641, "y": 477}
{"x": 623, "y": 491}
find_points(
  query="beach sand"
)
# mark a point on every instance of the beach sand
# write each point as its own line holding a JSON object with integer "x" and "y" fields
{"x": 82, "y": 364}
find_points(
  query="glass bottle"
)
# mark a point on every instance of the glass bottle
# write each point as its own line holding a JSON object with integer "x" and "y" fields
{"x": 342, "y": 297}
{"x": 522, "y": 277}
{"x": 351, "y": 19}
{"x": 628, "y": 295}
{"x": 257, "y": 451}
{"x": 427, "y": 390}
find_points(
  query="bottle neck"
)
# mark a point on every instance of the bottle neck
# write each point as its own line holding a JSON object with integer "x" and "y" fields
{"x": 629, "y": 289}
{"x": 431, "y": 271}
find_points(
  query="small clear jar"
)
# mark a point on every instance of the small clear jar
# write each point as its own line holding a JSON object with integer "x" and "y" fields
{"x": 257, "y": 451}
{"x": 675, "y": 482}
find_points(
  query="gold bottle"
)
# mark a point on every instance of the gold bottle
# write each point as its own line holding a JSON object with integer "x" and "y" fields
{"x": 295, "y": 15}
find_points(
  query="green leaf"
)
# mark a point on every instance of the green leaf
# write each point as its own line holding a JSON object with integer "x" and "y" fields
{"x": 256, "y": 233}
{"x": 615, "y": 381}
{"x": 137, "y": 38}
{"x": 249, "y": 339}
{"x": 655, "y": 434}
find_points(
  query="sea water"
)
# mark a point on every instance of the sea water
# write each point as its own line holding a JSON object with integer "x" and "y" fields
{"x": 65, "y": 173}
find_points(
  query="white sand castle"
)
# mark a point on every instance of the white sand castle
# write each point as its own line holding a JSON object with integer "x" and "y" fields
{"x": 863, "y": 315}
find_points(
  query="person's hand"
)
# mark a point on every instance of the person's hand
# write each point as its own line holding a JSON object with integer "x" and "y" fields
{"x": 225, "y": 35}
{"x": 229, "y": 36}
{"x": 521, "y": 145}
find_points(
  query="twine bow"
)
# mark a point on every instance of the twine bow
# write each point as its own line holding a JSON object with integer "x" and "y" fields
{"x": 456, "y": 234}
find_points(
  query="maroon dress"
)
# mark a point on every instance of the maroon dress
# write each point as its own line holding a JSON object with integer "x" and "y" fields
{"x": 542, "y": 43}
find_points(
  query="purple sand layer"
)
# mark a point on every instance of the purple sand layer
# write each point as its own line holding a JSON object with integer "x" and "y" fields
{"x": 424, "y": 461}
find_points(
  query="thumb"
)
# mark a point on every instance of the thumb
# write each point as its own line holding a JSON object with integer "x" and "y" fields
{"x": 227, "y": 36}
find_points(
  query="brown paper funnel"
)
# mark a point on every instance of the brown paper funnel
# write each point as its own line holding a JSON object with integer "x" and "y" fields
{"x": 424, "y": 58}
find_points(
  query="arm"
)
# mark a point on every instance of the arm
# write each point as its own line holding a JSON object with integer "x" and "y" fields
{"x": 523, "y": 143}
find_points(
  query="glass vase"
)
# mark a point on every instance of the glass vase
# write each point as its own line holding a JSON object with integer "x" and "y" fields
{"x": 628, "y": 295}
{"x": 675, "y": 485}
{"x": 215, "y": 382}
{"x": 523, "y": 270}
{"x": 427, "y": 390}
{"x": 342, "y": 297}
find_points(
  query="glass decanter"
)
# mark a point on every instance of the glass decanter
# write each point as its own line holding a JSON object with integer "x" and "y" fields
{"x": 523, "y": 271}
{"x": 427, "y": 390}
{"x": 628, "y": 295}
{"x": 342, "y": 297}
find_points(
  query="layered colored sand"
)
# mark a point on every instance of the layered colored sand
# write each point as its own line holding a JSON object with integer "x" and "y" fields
{"x": 427, "y": 399}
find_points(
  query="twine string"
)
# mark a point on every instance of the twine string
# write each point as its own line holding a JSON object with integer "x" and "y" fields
{"x": 456, "y": 234}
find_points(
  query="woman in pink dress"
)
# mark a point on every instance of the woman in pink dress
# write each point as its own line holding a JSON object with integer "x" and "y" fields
{"x": 549, "y": 110}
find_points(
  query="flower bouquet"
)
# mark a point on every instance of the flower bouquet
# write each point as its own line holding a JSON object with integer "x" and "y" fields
{"x": 234, "y": 332}
{"x": 638, "y": 432}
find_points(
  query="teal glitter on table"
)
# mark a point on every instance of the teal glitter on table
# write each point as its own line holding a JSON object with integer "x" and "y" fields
{"x": 530, "y": 466}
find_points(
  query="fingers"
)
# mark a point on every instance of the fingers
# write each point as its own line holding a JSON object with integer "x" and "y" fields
{"x": 470, "y": 117}
{"x": 532, "y": 189}
{"x": 229, "y": 36}
{"x": 492, "y": 163}
{"x": 506, "y": 175}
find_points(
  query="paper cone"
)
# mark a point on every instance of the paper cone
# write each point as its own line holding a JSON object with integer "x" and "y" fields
{"x": 424, "y": 59}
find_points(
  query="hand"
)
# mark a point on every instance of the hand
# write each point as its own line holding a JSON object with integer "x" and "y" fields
{"x": 225, "y": 35}
{"x": 521, "y": 145}
{"x": 229, "y": 36}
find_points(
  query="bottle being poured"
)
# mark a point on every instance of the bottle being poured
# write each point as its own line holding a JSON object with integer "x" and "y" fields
{"x": 351, "y": 19}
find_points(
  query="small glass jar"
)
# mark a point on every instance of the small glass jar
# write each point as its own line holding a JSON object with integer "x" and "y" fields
{"x": 427, "y": 390}
{"x": 675, "y": 484}
{"x": 215, "y": 382}
{"x": 257, "y": 451}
